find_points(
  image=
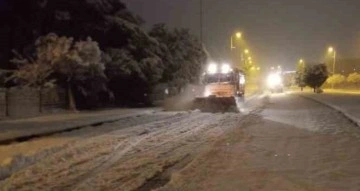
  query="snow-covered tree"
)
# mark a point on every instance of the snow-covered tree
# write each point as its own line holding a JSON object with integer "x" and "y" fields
{"x": 2, "y": 78}
{"x": 315, "y": 75}
{"x": 182, "y": 53}
{"x": 33, "y": 75}
{"x": 133, "y": 67}
{"x": 27, "y": 20}
{"x": 60, "y": 58}
{"x": 335, "y": 79}
{"x": 138, "y": 61}
{"x": 353, "y": 78}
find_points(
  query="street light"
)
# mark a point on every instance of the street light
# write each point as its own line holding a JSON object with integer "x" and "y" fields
{"x": 246, "y": 51}
{"x": 301, "y": 61}
{"x": 331, "y": 50}
{"x": 238, "y": 35}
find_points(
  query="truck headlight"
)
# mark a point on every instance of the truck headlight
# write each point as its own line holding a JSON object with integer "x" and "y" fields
{"x": 212, "y": 68}
{"x": 225, "y": 68}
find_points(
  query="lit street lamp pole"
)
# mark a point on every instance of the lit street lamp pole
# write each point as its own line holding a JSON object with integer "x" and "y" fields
{"x": 300, "y": 70}
{"x": 238, "y": 35}
{"x": 246, "y": 51}
{"x": 332, "y": 50}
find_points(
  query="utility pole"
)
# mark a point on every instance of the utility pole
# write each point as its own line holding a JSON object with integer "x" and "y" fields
{"x": 201, "y": 21}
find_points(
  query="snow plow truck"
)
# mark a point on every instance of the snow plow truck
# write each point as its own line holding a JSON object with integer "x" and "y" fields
{"x": 222, "y": 87}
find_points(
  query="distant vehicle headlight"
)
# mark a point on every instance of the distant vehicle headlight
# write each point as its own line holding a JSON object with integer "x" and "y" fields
{"x": 274, "y": 80}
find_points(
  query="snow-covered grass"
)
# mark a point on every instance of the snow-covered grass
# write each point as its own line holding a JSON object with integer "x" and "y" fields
{"x": 343, "y": 91}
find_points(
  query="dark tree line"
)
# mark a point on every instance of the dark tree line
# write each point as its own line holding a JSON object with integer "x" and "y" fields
{"x": 134, "y": 60}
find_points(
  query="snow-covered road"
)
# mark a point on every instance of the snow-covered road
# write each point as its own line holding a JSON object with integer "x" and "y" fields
{"x": 116, "y": 157}
{"x": 292, "y": 144}
{"x": 281, "y": 142}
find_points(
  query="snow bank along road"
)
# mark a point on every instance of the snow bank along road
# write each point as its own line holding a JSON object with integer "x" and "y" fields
{"x": 347, "y": 103}
{"x": 282, "y": 142}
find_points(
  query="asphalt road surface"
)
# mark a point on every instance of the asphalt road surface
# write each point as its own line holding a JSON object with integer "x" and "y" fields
{"x": 277, "y": 142}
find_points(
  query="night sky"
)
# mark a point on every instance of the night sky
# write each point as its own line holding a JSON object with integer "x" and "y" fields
{"x": 277, "y": 31}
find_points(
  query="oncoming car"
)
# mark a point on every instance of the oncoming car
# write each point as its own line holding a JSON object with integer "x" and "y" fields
{"x": 275, "y": 83}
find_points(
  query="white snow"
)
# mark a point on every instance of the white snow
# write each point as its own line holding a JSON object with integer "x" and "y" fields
{"x": 348, "y": 104}
{"x": 131, "y": 154}
{"x": 306, "y": 114}
{"x": 284, "y": 142}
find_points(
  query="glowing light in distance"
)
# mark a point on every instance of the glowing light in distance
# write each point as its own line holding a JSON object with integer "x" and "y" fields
{"x": 238, "y": 35}
{"x": 274, "y": 80}
{"x": 212, "y": 68}
{"x": 225, "y": 68}
{"x": 242, "y": 80}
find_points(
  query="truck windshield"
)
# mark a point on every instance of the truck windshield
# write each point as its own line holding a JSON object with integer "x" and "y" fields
{"x": 217, "y": 78}
{"x": 225, "y": 78}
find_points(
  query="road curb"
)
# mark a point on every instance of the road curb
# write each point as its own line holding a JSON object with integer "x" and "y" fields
{"x": 334, "y": 107}
{"x": 68, "y": 128}
{"x": 28, "y": 137}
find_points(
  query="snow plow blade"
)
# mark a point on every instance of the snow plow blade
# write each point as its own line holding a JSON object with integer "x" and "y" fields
{"x": 216, "y": 104}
